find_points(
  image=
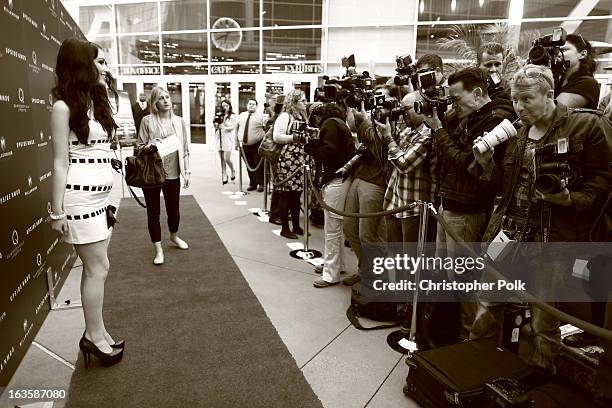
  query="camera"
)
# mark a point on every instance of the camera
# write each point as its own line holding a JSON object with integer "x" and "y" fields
{"x": 353, "y": 163}
{"x": 389, "y": 109}
{"x": 353, "y": 88}
{"x": 546, "y": 51}
{"x": 551, "y": 169}
{"x": 219, "y": 116}
{"x": 405, "y": 70}
{"x": 499, "y": 134}
{"x": 302, "y": 133}
{"x": 433, "y": 95}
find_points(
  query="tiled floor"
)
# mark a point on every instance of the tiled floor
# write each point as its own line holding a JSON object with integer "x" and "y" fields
{"x": 345, "y": 367}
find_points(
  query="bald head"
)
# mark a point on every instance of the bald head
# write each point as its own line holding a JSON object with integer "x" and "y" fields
{"x": 415, "y": 120}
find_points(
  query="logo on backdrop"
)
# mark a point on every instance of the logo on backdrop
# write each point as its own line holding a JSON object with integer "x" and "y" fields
{"x": 38, "y": 259}
{"x": 34, "y": 57}
{"x": 43, "y": 142}
{"x": 25, "y": 325}
{"x": 21, "y": 95}
{"x": 49, "y": 207}
{"x": 15, "y": 237}
{"x": 31, "y": 187}
{"x": 4, "y": 149}
{"x": 8, "y": 8}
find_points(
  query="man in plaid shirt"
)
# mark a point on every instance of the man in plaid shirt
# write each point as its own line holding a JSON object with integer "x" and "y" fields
{"x": 412, "y": 175}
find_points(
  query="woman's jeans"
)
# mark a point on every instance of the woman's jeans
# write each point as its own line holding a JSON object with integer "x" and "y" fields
{"x": 171, "y": 189}
{"x": 334, "y": 195}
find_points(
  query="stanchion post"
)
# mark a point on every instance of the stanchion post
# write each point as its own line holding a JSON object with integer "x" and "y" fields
{"x": 265, "y": 203}
{"x": 397, "y": 339}
{"x": 417, "y": 276}
{"x": 305, "y": 253}
{"x": 122, "y": 179}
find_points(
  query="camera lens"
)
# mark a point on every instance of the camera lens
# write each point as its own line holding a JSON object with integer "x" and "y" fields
{"x": 549, "y": 183}
{"x": 538, "y": 55}
{"x": 419, "y": 107}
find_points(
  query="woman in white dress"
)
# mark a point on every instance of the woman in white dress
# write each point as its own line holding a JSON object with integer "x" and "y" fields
{"x": 82, "y": 126}
{"x": 159, "y": 125}
{"x": 226, "y": 139}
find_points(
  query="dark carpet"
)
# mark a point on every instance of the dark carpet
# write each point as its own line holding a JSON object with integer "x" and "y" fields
{"x": 196, "y": 335}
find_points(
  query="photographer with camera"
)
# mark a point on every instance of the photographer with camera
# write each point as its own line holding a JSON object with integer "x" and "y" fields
{"x": 367, "y": 191}
{"x": 333, "y": 148}
{"x": 225, "y": 127}
{"x": 490, "y": 57}
{"x": 412, "y": 176}
{"x": 466, "y": 201}
{"x": 553, "y": 173}
{"x": 291, "y": 159}
{"x": 579, "y": 89}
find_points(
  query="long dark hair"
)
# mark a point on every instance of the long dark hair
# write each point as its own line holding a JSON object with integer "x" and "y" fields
{"x": 77, "y": 85}
{"x": 587, "y": 64}
{"x": 230, "y": 111}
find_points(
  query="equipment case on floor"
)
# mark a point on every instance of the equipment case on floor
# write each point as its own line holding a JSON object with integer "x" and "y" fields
{"x": 455, "y": 375}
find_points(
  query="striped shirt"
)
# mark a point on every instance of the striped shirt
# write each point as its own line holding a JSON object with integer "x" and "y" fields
{"x": 411, "y": 178}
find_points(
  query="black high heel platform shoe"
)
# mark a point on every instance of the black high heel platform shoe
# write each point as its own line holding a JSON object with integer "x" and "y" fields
{"x": 119, "y": 344}
{"x": 224, "y": 181}
{"x": 88, "y": 348}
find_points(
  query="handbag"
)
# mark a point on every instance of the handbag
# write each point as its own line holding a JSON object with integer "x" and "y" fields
{"x": 268, "y": 149}
{"x": 145, "y": 169}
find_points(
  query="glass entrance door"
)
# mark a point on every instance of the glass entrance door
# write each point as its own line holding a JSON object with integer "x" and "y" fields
{"x": 197, "y": 112}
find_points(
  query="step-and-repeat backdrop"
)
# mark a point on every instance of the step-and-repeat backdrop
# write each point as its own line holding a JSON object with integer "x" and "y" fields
{"x": 31, "y": 32}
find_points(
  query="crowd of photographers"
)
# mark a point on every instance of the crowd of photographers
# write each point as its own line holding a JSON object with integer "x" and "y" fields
{"x": 526, "y": 159}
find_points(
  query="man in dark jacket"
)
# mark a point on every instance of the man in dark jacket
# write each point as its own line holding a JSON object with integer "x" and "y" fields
{"x": 140, "y": 109}
{"x": 552, "y": 134}
{"x": 466, "y": 201}
{"x": 334, "y": 148}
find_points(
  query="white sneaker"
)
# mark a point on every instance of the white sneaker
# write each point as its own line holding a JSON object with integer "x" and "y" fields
{"x": 179, "y": 243}
{"x": 159, "y": 258}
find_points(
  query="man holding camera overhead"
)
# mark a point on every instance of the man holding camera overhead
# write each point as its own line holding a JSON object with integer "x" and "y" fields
{"x": 553, "y": 176}
{"x": 466, "y": 201}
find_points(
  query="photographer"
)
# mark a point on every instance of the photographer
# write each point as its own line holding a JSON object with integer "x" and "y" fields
{"x": 490, "y": 57}
{"x": 333, "y": 149}
{"x": 225, "y": 127}
{"x": 528, "y": 214}
{"x": 466, "y": 201}
{"x": 431, "y": 62}
{"x": 367, "y": 190}
{"x": 579, "y": 89}
{"x": 412, "y": 176}
{"x": 291, "y": 159}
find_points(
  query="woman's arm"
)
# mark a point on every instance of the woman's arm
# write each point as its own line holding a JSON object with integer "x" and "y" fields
{"x": 144, "y": 133}
{"x": 60, "y": 129}
{"x": 185, "y": 146}
{"x": 281, "y": 125}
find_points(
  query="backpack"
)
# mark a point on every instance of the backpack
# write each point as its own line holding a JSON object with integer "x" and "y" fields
{"x": 379, "y": 311}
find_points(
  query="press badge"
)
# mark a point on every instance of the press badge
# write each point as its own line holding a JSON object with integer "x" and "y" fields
{"x": 562, "y": 145}
{"x": 500, "y": 246}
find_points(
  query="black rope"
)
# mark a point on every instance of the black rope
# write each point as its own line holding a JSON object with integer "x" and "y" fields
{"x": 246, "y": 162}
{"x": 288, "y": 177}
{"x": 526, "y": 296}
{"x": 319, "y": 198}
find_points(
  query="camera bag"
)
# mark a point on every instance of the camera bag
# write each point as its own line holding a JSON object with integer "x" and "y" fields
{"x": 455, "y": 375}
{"x": 379, "y": 311}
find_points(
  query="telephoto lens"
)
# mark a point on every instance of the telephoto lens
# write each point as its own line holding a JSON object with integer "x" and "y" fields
{"x": 499, "y": 134}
